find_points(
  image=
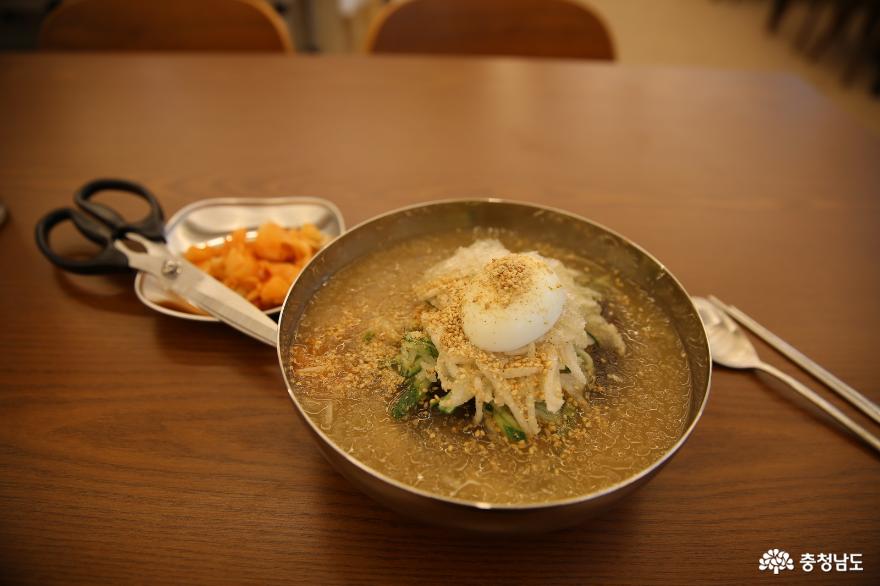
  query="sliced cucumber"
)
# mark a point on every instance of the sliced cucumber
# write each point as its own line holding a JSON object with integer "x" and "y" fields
{"x": 415, "y": 363}
{"x": 506, "y": 421}
{"x": 407, "y": 399}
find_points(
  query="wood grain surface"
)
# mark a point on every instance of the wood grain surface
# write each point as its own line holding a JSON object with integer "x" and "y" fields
{"x": 136, "y": 448}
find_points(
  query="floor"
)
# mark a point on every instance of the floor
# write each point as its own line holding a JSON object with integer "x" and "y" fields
{"x": 731, "y": 34}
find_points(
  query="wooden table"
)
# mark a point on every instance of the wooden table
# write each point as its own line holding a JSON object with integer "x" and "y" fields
{"x": 138, "y": 448}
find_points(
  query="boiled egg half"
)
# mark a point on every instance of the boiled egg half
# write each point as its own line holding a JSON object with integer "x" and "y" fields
{"x": 511, "y": 302}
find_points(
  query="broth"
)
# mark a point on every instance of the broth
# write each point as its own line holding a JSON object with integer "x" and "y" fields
{"x": 342, "y": 377}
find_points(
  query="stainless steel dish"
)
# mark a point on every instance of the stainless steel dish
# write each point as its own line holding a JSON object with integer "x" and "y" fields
{"x": 209, "y": 221}
{"x": 557, "y": 227}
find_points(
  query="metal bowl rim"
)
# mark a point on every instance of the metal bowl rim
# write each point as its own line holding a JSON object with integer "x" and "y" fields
{"x": 480, "y": 505}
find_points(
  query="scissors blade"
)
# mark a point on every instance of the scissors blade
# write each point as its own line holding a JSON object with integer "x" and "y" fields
{"x": 202, "y": 290}
{"x": 230, "y": 307}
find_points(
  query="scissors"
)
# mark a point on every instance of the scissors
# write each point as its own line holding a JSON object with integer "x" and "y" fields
{"x": 107, "y": 228}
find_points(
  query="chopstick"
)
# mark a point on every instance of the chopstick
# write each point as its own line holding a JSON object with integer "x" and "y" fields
{"x": 857, "y": 399}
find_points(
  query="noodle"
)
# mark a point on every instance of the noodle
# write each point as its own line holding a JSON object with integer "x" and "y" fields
{"x": 545, "y": 370}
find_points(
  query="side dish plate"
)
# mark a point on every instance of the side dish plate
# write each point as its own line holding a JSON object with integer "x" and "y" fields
{"x": 210, "y": 220}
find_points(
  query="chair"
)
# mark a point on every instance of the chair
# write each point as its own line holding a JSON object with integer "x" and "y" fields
{"x": 165, "y": 25}
{"x": 528, "y": 28}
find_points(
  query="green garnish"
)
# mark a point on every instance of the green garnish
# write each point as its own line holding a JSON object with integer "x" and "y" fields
{"x": 506, "y": 421}
{"x": 415, "y": 363}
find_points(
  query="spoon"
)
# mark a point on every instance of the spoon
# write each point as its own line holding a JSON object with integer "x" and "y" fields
{"x": 731, "y": 348}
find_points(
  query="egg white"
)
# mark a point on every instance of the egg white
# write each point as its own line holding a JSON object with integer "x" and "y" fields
{"x": 531, "y": 313}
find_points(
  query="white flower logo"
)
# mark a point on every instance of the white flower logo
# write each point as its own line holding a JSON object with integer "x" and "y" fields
{"x": 776, "y": 560}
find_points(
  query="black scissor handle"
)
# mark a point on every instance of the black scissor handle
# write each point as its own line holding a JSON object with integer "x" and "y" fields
{"x": 152, "y": 226}
{"x": 108, "y": 260}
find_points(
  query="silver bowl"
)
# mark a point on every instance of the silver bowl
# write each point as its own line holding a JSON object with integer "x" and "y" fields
{"x": 555, "y": 227}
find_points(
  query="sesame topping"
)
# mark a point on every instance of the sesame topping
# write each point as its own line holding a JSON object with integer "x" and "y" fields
{"x": 506, "y": 278}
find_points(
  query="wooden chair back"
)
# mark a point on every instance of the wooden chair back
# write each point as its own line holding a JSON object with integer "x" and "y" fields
{"x": 165, "y": 25}
{"x": 529, "y": 28}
